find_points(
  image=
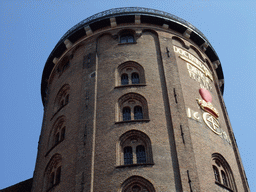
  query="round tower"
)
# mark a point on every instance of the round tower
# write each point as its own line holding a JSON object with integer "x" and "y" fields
{"x": 133, "y": 102}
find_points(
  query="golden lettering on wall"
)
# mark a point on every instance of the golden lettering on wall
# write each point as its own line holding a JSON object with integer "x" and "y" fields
{"x": 200, "y": 77}
{"x": 197, "y": 69}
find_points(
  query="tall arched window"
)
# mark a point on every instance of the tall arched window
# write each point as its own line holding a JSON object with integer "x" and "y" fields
{"x": 222, "y": 172}
{"x": 130, "y": 73}
{"x": 216, "y": 173}
{"x": 135, "y": 78}
{"x": 138, "y": 112}
{"x": 57, "y": 133}
{"x": 128, "y": 156}
{"x": 135, "y": 148}
{"x": 126, "y": 114}
{"x": 124, "y": 79}
{"x": 137, "y": 184}
{"x": 132, "y": 106}
{"x": 62, "y": 98}
{"x": 52, "y": 176}
{"x": 141, "y": 154}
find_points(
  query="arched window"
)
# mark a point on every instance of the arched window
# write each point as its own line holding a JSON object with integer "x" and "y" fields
{"x": 135, "y": 78}
{"x": 137, "y": 184}
{"x": 58, "y": 132}
{"x": 130, "y": 73}
{"x": 128, "y": 157}
{"x": 52, "y": 175}
{"x": 126, "y": 114}
{"x": 141, "y": 154}
{"x": 138, "y": 112}
{"x": 222, "y": 172}
{"x": 62, "y": 98}
{"x": 124, "y": 79}
{"x": 135, "y": 148}
{"x": 132, "y": 106}
{"x": 216, "y": 173}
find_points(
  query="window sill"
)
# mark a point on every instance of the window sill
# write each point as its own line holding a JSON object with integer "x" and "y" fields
{"x": 53, "y": 147}
{"x": 58, "y": 111}
{"x": 133, "y": 121}
{"x": 136, "y": 165}
{"x": 131, "y": 85}
{"x": 223, "y": 186}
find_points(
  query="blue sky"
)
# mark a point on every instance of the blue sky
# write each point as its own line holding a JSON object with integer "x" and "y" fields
{"x": 30, "y": 29}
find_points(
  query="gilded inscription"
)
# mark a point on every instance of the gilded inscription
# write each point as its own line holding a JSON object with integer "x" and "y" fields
{"x": 197, "y": 69}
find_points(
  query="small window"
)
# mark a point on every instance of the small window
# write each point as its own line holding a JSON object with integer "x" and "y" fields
{"x": 216, "y": 173}
{"x": 128, "y": 158}
{"x": 135, "y": 148}
{"x": 58, "y": 133}
{"x": 126, "y": 114}
{"x": 223, "y": 173}
{"x": 57, "y": 136}
{"x": 62, "y": 133}
{"x": 141, "y": 154}
{"x": 127, "y": 38}
{"x": 138, "y": 112}
{"x": 130, "y": 73}
{"x": 224, "y": 178}
{"x": 62, "y": 98}
{"x": 135, "y": 78}
{"x": 53, "y": 172}
{"x": 51, "y": 180}
{"x": 132, "y": 106}
{"x": 124, "y": 79}
{"x": 58, "y": 173}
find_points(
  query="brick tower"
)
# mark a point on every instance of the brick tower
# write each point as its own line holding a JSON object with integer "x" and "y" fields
{"x": 133, "y": 102}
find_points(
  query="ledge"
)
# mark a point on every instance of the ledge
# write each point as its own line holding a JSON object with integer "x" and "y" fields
{"x": 131, "y": 85}
{"x": 136, "y": 165}
{"x": 132, "y": 121}
{"x": 53, "y": 147}
{"x": 223, "y": 186}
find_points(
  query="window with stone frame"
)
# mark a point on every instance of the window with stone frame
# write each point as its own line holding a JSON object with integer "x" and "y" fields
{"x": 52, "y": 176}
{"x": 135, "y": 148}
{"x": 132, "y": 107}
{"x": 130, "y": 73}
{"x": 137, "y": 184}
{"x": 222, "y": 172}
{"x": 62, "y": 98}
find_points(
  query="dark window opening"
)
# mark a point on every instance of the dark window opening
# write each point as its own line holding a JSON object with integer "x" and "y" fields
{"x": 141, "y": 154}
{"x": 224, "y": 178}
{"x": 128, "y": 158}
{"x": 51, "y": 180}
{"x": 126, "y": 114}
{"x": 58, "y": 173}
{"x": 127, "y": 39}
{"x": 135, "y": 78}
{"x": 124, "y": 79}
{"x": 62, "y": 134}
{"x": 216, "y": 173}
{"x": 138, "y": 113}
{"x": 57, "y": 138}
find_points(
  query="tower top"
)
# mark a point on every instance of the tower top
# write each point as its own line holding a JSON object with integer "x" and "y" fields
{"x": 127, "y": 15}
